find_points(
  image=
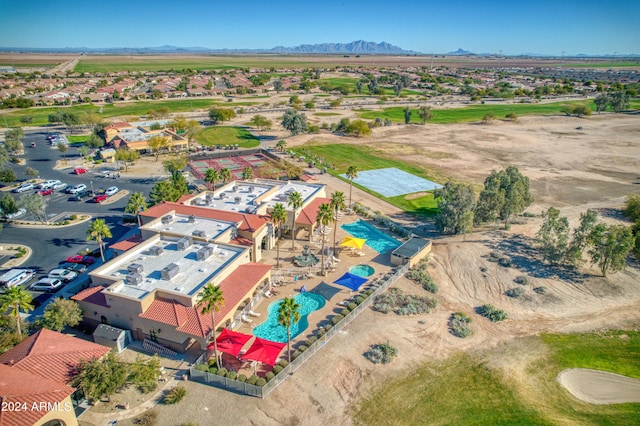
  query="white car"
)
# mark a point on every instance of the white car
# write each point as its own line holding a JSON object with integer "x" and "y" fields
{"x": 24, "y": 187}
{"x": 47, "y": 284}
{"x": 63, "y": 274}
{"x": 48, "y": 184}
{"x": 111, "y": 191}
{"x": 76, "y": 188}
{"x": 59, "y": 185}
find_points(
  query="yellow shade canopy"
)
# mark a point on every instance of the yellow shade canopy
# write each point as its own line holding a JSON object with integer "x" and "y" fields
{"x": 353, "y": 242}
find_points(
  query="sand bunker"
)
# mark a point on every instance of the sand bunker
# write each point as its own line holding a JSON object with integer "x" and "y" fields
{"x": 600, "y": 387}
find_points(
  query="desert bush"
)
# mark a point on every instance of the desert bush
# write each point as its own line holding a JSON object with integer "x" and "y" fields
{"x": 528, "y": 214}
{"x": 295, "y": 354}
{"x": 252, "y": 380}
{"x": 505, "y": 262}
{"x": 147, "y": 418}
{"x": 222, "y": 372}
{"x": 381, "y": 353}
{"x": 302, "y": 348}
{"x": 403, "y": 304}
{"x": 351, "y": 306}
{"x": 321, "y": 331}
{"x": 175, "y": 395}
{"x": 494, "y": 256}
{"x": 277, "y": 369}
{"x": 336, "y": 319}
{"x": 328, "y": 327}
{"x": 515, "y": 292}
{"x": 540, "y": 290}
{"x": 521, "y": 279}
{"x": 261, "y": 382}
{"x": 344, "y": 312}
{"x": 283, "y": 363}
{"x": 483, "y": 269}
{"x": 491, "y": 313}
{"x": 359, "y": 299}
{"x": 232, "y": 375}
{"x": 368, "y": 292}
{"x": 459, "y": 324}
{"x": 242, "y": 378}
{"x": 311, "y": 340}
{"x": 269, "y": 375}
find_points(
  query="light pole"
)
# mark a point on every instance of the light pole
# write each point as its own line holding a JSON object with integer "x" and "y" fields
{"x": 92, "y": 187}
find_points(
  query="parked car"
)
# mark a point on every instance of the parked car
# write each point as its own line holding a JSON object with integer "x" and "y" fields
{"x": 24, "y": 187}
{"x": 78, "y": 258}
{"x": 76, "y": 188}
{"x": 75, "y": 267}
{"x": 53, "y": 136}
{"x": 81, "y": 196}
{"x": 100, "y": 198}
{"x": 15, "y": 277}
{"x": 20, "y": 212}
{"x": 45, "y": 191}
{"x": 47, "y": 284}
{"x": 80, "y": 171}
{"x": 59, "y": 185}
{"x": 113, "y": 190}
{"x": 47, "y": 184}
{"x": 63, "y": 274}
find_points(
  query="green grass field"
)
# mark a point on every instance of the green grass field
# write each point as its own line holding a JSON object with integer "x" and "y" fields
{"x": 225, "y": 135}
{"x": 350, "y": 82}
{"x": 366, "y": 158}
{"x": 464, "y": 389}
{"x": 613, "y": 64}
{"x": 77, "y": 139}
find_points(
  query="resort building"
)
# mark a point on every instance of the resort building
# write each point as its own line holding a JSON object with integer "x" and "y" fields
{"x": 34, "y": 389}
{"x": 411, "y": 252}
{"x": 125, "y": 135}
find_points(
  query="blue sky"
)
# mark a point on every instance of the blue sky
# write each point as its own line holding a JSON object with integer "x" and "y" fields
{"x": 510, "y": 27}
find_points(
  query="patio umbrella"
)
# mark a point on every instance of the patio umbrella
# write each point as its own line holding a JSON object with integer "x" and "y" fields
{"x": 325, "y": 290}
{"x": 230, "y": 342}
{"x": 353, "y": 242}
{"x": 264, "y": 351}
{"x": 351, "y": 281}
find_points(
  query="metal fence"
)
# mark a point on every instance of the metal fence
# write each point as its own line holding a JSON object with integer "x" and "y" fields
{"x": 262, "y": 391}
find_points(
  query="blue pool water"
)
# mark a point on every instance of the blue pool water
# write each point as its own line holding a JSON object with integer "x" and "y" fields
{"x": 376, "y": 239}
{"x": 271, "y": 330}
{"x": 362, "y": 270}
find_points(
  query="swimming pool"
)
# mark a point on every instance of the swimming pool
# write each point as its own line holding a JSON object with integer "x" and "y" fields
{"x": 271, "y": 330}
{"x": 362, "y": 270}
{"x": 376, "y": 239}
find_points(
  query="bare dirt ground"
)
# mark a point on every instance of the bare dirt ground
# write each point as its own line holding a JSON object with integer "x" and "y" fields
{"x": 595, "y": 167}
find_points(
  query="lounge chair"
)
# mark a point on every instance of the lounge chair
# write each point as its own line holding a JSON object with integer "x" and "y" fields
{"x": 335, "y": 259}
{"x": 245, "y": 319}
{"x": 268, "y": 294}
{"x": 360, "y": 254}
{"x": 254, "y": 314}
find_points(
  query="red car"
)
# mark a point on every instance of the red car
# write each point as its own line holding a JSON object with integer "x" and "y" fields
{"x": 45, "y": 192}
{"x": 100, "y": 198}
{"x": 87, "y": 260}
{"x": 80, "y": 171}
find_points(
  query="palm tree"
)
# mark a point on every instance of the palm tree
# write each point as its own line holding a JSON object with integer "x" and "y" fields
{"x": 211, "y": 176}
{"x": 326, "y": 215}
{"x": 288, "y": 314}
{"x": 14, "y": 299}
{"x": 337, "y": 203}
{"x": 247, "y": 173}
{"x": 278, "y": 217}
{"x": 137, "y": 203}
{"x": 281, "y": 145}
{"x": 225, "y": 174}
{"x": 295, "y": 202}
{"x": 352, "y": 173}
{"x": 99, "y": 231}
{"x": 212, "y": 300}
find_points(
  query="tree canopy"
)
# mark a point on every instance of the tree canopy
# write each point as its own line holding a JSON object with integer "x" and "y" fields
{"x": 505, "y": 193}
{"x": 456, "y": 204}
{"x": 294, "y": 122}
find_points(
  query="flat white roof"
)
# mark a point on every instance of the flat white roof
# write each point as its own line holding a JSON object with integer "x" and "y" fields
{"x": 194, "y": 226}
{"x": 190, "y": 275}
{"x": 306, "y": 190}
{"x": 238, "y": 197}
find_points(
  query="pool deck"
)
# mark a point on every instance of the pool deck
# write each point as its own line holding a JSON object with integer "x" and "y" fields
{"x": 289, "y": 288}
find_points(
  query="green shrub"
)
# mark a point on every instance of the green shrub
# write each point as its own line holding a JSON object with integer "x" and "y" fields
{"x": 311, "y": 340}
{"x": 344, "y": 312}
{"x": 242, "y": 378}
{"x": 147, "y": 418}
{"x": 381, "y": 353}
{"x": 175, "y": 395}
{"x": 98, "y": 161}
{"x": 483, "y": 269}
{"x": 540, "y": 290}
{"x": 213, "y": 370}
{"x": 521, "y": 279}
{"x": 458, "y": 324}
{"x": 493, "y": 314}
{"x": 232, "y": 375}
{"x": 302, "y": 348}
{"x": 336, "y": 319}
{"x": 494, "y": 256}
{"x": 283, "y": 363}
{"x": 403, "y": 304}
{"x": 351, "y": 306}
{"x": 277, "y": 369}
{"x": 269, "y": 375}
{"x": 321, "y": 331}
{"x": 222, "y": 372}
{"x": 261, "y": 382}
{"x": 359, "y": 299}
{"x": 295, "y": 354}
{"x": 528, "y": 214}
{"x": 368, "y": 292}
{"x": 505, "y": 262}
{"x": 515, "y": 292}
{"x": 328, "y": 327}
{"x": 202, "y": 367}
{"x": 252, "y": 379}
{"x": 212, "y": 362}
{"x": 74, "y": 217}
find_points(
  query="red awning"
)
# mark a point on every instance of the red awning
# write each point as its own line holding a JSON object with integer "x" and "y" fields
{"x": 231, "y": 342}
{"x": 264, "y": 351}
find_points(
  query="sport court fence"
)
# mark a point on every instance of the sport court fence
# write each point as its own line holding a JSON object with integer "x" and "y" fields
{"x": 262, "y": 391}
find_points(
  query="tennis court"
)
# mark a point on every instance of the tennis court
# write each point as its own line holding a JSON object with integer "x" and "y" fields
{"x": 392, "y": 182}
{"x": 235, "y": 165}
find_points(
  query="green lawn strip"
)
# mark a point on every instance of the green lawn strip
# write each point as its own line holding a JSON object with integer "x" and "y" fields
{"x": 366, "y": 158}
{"x": 78, "y": 139}
{"x": 225, "y": 135}
{"x": 458, "y": 391}
{"x": 471, "y": 113}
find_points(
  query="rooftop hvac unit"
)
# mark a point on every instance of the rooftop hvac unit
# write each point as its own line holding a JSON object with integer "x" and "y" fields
{"x": 204, "y": 253}
{"x": 199, "y": 233}
{"x": 251, "y": 188}
{"x": 209, "y": 197}
{"x": 184, "y": 243}
{"x": 237, "y": 200}
{"x": 170, "y": 271}
{"x": 235, "y": 188}
{"x": 156, "y": 250}
{"x": 192, "y": 219}
{"x": 167, "y": 219}
{"x": 223, "y": 195}
{"x": 134, "y": 279}
{"x": 135, "y": 268}
{"x": 195, "y": 202}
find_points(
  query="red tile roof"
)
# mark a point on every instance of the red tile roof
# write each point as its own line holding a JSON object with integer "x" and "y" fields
{"x": 309, "y": 214}
{"x": 125, "y": 245}
{"x": 235, "y": 288}
{"x": 118, "y": 125}
{"x": 51, "y": 355}
{"x": 92, "y": 295}
{"x": 249, "y": 222}
{"x": 23, "y": 389}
